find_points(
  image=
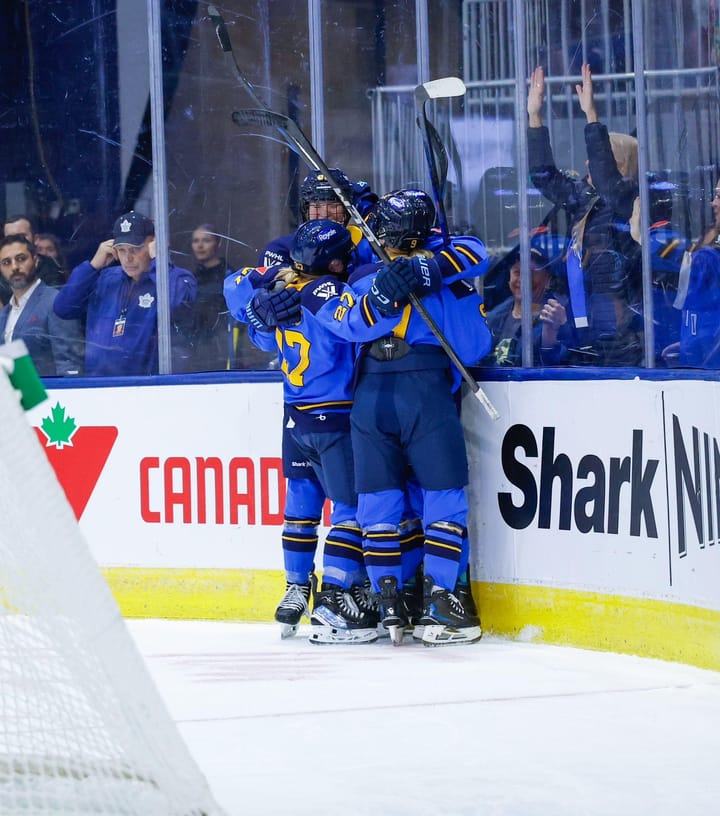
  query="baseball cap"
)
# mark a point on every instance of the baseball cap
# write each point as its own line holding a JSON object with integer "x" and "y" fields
{"x": 535, "y": 254}
{"x": 132, "y": 228}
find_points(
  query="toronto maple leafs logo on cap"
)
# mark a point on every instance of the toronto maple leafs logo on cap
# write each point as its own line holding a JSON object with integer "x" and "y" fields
{"x": 133, "y": 228}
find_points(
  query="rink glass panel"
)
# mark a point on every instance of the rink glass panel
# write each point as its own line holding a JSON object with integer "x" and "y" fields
{"x": 78, "y": 126}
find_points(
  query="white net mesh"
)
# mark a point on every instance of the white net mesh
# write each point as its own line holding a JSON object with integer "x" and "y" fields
{"x": 82, "y": 727}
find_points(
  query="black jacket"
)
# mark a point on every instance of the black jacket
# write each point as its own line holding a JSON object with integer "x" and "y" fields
{"x": 612, "y": 284}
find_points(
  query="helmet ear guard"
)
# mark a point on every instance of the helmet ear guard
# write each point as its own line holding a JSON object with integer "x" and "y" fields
{"x": 403, "y": 219}
{"x": 316, "y": 244}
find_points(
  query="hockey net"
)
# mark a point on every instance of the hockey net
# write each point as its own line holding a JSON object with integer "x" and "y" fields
{"x": 83, "y": 729}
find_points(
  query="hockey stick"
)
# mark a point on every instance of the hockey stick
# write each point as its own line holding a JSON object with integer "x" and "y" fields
{"x": 297, "y": 141}
{"x": 295, "y": 137}
{"x": 224, "y": 39}
{"x": 434, "y": 149}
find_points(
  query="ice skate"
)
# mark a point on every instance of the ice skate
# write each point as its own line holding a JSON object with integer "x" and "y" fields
{"x": 392, "y": 609}
{"x": 293, "y": 606}
{"x": 445, "y": 619}
{"x": 412, "y": 596}
{"x": 366, "y": 600}
{"x": 463, "y": 592}
{"x": 336, "y": 618}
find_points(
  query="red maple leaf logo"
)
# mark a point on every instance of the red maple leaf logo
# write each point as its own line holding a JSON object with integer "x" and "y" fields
{"x": 77, "y": 455}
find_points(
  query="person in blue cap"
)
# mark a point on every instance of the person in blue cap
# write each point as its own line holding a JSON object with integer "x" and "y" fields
{"x": 115, "y": 293}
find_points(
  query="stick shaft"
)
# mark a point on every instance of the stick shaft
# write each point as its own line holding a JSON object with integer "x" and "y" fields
{"x": 297, "y": 139}
{"x": 444, "y": 88}
{"x": 290, "y": 131}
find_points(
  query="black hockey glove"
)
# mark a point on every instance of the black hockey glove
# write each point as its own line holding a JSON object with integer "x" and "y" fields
{"x": 276, "y": 307}
{"x": 394, "y": 283}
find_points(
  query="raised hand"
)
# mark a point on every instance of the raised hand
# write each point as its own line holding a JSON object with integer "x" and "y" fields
{"x": 585, "y": 95}
{"x": 104, "y": 255}
{"x": 536, "y": 97}
{"x": 552, "y": 316}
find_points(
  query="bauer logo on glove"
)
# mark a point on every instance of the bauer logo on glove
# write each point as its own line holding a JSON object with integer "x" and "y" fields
{"x": 395, "y": 282}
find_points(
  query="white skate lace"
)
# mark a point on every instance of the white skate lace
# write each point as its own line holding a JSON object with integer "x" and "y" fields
{"x": 295, "y": 598}
{"x": 347, "y": 605}
{"x": 364, "y": 598}
{"x": 455, "y": 604}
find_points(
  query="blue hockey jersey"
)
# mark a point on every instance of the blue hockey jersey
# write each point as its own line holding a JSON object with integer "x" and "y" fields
{"x": 457, "y": 309}
{"x": 240, "y": 287}
{"x": 700, "y": 322}
{"x": 277, "y": 251}
{"x": 317, "y": 355}
{"x": 463, "y": 256}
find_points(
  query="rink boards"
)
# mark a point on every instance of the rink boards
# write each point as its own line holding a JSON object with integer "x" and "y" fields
{"x": 595, "y": 504}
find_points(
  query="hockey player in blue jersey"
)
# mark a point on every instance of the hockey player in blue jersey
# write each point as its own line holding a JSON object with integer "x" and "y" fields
{"x": 404, "y": 413}
{"x": 319, "y": 200}
{"x": 304, "y": 496}
{"x": 314, "y": 319}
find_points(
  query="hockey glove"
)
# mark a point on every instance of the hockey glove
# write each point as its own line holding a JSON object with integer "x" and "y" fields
{"x": 394, "y": 283}
{"x": 276, "y": 307}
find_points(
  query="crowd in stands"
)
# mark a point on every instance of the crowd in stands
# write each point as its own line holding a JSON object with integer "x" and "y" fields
{"x": 586, "y": 278}
{"x": 361, "y": 331}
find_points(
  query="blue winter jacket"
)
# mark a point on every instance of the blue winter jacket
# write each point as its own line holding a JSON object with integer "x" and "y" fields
{"x": 121, "y": 317}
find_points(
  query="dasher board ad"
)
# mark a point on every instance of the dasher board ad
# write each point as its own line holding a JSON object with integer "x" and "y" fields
{"x": 171, "y": 476}
{"x": 609, "y": 486}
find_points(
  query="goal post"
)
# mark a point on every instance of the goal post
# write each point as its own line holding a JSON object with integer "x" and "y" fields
{"x": 83, "y": 730}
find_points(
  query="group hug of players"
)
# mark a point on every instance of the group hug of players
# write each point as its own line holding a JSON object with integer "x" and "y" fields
{"x": 371, "y": 413}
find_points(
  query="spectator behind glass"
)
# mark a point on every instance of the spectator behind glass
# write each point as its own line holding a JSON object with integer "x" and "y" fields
{"x": 119, "y": 303}
{"x": 698, "y": 298}
{"x": 552, "y": 333}
{"x": 48, "y": 246}
{"x": 210, "y": 337}
{"x": 713, "y": 232}
{"x": 604, "y": 295}
{"x": 219, "y": 341}
{"x": 47, "y": 270}
{"x": 667, "y": 248}
{"x": 55, "y": 345}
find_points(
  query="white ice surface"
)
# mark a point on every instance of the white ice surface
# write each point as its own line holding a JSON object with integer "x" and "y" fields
{"x": 498, "y": 728}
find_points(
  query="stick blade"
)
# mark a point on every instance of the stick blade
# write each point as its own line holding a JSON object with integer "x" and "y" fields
{"x": 220, "y": 29}
{"x": 258, "y": 116}
{"x": 441, "y": 88}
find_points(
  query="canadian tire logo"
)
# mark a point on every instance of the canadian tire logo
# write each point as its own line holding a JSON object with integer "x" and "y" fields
{"x": 77, "y": 454}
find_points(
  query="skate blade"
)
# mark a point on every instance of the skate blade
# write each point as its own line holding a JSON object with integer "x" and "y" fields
{"x": 288, "y": 630}
{"x": 396, "y": 634}
{"x": 446, "y": 636}
{"x": 418, "y": 632}
{"x": 329, "y": 634}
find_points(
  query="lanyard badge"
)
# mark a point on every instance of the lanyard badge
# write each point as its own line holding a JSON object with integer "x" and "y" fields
{"x": 119, "y": 325}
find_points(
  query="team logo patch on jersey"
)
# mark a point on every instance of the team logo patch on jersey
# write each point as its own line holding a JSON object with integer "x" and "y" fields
{"x": 326, "y": 290}
{"x": 146, "y": 301}
{"x": 271, "y": 258}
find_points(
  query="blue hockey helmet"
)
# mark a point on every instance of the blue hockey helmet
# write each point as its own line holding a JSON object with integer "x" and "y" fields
{"x": 403, "y": 219}
{"x": 317, "y": 187}
{"x": 316, "y": 244}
